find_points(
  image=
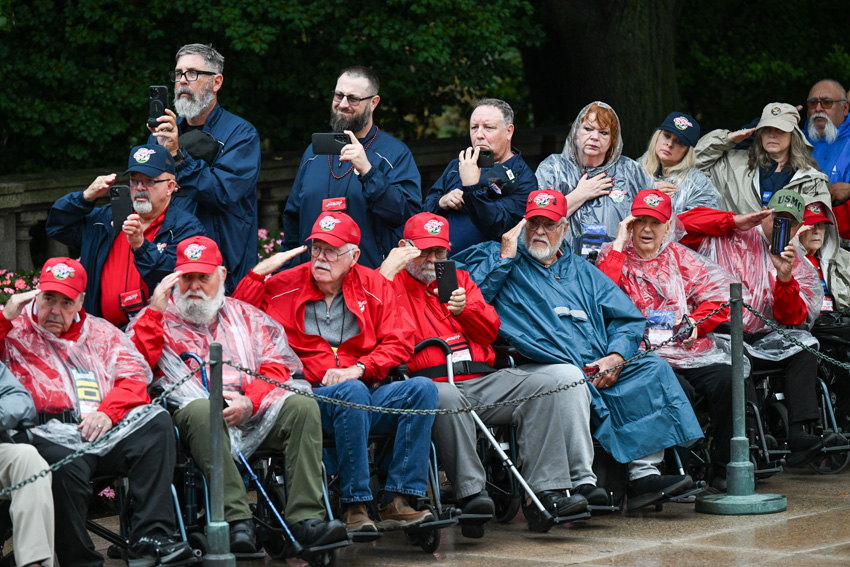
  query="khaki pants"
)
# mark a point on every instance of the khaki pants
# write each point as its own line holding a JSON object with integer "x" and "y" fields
{"x": 32, "y": 505}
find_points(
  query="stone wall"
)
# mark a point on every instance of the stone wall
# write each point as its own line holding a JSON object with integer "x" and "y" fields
{"x": 25, "y": 199}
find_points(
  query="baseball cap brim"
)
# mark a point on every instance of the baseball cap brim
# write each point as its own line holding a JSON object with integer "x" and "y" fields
{"x": 146, "y": 169}
{"x": 654, "y": 213}
{"x": 331, "y": 239}
{"x": 60, "y": 287}
{"x": 197, "y": 268}
{"x": 430, "y": 242}
{"x": 548, "y": 213}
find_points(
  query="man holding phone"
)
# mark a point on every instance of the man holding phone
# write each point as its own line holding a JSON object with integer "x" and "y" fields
{"x": 469, "y": 325}
{"x": 482, "y": 193}
{"x": 372, "y": 178}
{"x": 220, "y": 188}
{"x": 783, "y": 287}
{"x": 125, "y": 261}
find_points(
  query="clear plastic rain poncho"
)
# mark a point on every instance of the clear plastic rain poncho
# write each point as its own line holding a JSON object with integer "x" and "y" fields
{"x": 695, "y": 189}
{"x": 249, "y": 338}
{"x": 672, "y": 284}
{"x": 596, "y": 221}
{"x": 64, "y": 375}
{"x": 746, "y": 254}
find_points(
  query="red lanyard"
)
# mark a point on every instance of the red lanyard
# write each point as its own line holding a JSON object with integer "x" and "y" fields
{"x": 352, "y": 165}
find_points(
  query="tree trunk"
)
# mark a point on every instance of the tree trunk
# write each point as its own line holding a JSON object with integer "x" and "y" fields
{"x": 617, "y": 51}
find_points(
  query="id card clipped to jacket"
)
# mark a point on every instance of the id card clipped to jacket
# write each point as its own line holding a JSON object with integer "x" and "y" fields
{"x": 88, "y": 391}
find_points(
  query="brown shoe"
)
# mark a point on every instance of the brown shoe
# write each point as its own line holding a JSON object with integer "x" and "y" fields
{"x": 399, "y": 514}
{"x": 356, "y": 519}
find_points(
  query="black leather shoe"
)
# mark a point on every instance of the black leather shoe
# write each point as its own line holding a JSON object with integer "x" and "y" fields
{"x": 649, "y": 489}
{"x": 480, "y": 503}
{"x": 242, "y": 537}
{"x": 595, "y": 495}
{"x": 314, "y": 532}
{"x": 557, "y": 504}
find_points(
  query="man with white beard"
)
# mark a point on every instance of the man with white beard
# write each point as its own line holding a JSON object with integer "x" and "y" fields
{"x": 217, "y": 156}
{"x": 124, "y": 268}
{"x": 828, "y": 129}
{"x": 555, "y": 308}
{"x": 187, "y": 313}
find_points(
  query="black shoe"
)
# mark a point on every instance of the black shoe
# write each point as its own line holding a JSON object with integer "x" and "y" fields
{"x": 242, "y": 537}
{"x": 157, "y": 549}
{"x": 718, "y": 483}
{"x": 805, "y": 447}
{"x": 649, "y": 489}
{"x": 480, "y": 503}
{"x": 314, "y": 532}
{"x": 595, "y": 495}
{"x": 557, "y": 504}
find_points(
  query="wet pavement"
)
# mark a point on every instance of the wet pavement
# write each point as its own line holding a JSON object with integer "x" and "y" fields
{"x": 815, "y": 530}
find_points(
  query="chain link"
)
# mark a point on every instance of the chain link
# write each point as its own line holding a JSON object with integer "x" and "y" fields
{"x": 785, "y": 335}
{"x": 106, "y": 436}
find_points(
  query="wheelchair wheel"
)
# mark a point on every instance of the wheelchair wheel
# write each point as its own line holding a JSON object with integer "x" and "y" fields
{"x": 428, "y": 540}
{"x": 831, "y": 464}
{"x": 326, "y": 559}
{"x": 198, "y": 540}
{"x": 776, "y": 419}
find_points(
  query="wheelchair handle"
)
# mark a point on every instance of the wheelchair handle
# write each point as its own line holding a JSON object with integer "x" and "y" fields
{"x": 433, "y": 341}
{"x": 191, "y": 355}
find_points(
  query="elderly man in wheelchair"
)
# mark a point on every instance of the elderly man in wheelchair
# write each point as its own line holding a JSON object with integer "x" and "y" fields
{"x": 187, "y": 313}
{"x": 344, "y": 323}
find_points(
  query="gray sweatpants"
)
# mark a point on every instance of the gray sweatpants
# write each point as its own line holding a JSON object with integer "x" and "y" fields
{"x": 540, "y": 439}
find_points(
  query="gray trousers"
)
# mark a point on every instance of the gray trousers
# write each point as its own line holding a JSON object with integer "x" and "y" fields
{"x": 540, "y": 438}
{"x": 574, "y": 405}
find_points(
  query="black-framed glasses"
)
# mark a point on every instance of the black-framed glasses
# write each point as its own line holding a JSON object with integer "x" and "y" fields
{"x": 146, "y": 183}
{"x": 548, "y": 227}
{"x": 352, "y": 100}
{"x": 190, "y": 74}
{"x": 331, "y": 254}
{"x": 826, "y": 103}
{"x": 439, "y": 253}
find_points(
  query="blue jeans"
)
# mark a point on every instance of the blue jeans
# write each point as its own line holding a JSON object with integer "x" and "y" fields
{"x": 408, "y": 467}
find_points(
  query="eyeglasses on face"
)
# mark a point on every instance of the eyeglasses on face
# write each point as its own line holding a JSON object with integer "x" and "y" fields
{"x": 146, "y": 183}
{"x": 826, "y": 103}
{"x": 352, "y": 100}
{"x": 331, "y": 254}
{"x": 190, "y": 74}
{"x": 548, "y": 227}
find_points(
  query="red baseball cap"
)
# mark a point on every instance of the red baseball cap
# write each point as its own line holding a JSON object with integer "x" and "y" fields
{"x": 428, "y": 230}
{"x": 652, "y": 203}
{"x": 64, "y": 275}
{"x": 546, "y": 203}
{"x": 336, "y": 229}
{"x": 814, "y": 214}
{"x": 198, "y": 254}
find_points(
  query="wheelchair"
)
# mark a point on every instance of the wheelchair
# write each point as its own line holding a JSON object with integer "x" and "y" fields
{"x": 265, "y": 473}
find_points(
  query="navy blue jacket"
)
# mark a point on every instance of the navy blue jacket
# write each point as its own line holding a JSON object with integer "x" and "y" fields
{"x": 380, "y": 202}
{"x": 491, "y": 208}
{"x": 223, "y": 196}
{"x": 77, "y": 223}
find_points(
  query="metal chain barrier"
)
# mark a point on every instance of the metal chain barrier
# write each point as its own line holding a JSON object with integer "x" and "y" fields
{"x": 106, "y": 436}
{"x": 785, "y": 335}
{"x": 516, "y": 401}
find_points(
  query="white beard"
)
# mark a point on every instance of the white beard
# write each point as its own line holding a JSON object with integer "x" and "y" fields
{"x": 200, "y": 313}
{"x": 192, "y": 107}
{"x": 424, "y": 274}
{"x": 541, "y": 255}
{"x": 830, "y": 132}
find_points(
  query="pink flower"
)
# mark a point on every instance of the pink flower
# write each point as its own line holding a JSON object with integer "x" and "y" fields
{"x": 108, "y": 492}
{"x": 263, "y": 233}
{"x": 8, "y": 290}
{"x": 20, "y": 284}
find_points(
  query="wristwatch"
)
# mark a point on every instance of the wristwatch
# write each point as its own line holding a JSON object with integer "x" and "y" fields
{"x": 180, "y": 155}
{"x": 362, "y": 367}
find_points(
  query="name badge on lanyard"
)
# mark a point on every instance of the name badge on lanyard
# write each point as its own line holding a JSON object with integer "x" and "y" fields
{"x": 88, "y": 391}
{"x": 460, "y": 347}
{"x": 335, "y": 205}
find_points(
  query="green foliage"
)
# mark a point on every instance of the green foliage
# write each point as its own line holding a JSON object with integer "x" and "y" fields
{"x": 75, "y": 74}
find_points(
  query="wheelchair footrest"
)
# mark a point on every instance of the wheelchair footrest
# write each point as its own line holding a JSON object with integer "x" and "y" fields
{"x": 594, "y": 508}
{"x": 245, "y": 556}
{"x": 572, "y": 518}
{"x": 474, "y": 519}
{"x": 836, "y": 449}
{"x": 690, "y": 496}
{"x": 364, "y": 537}
{"x": 308, "y": 552}
{"x": 432, "y": 525}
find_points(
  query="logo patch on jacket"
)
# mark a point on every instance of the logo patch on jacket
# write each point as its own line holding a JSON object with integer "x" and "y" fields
{"x": 618, "y": 195}
{"x": 161, "y": 247}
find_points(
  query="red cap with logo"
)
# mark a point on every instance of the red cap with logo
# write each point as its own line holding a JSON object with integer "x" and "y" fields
{"x": 814, "y": 214}
{"x": 198, "y": 255}
{"x": 428, "y": 230}
{"x": 546, "y": 203}
{"x": 652, "y": 203}
{"x": 336, "y": 229}
{"x": 64, "y": 275}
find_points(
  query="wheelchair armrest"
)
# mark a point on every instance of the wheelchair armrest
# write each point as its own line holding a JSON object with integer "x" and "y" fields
{"x": 506, "y": 356}
{"x": 433, "y": 341}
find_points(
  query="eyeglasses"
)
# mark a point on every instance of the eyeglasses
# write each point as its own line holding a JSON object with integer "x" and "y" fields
{"x": 331, "y": 254}
{"x": 190, "y": 74}
{"x": 548, "y": 227}
{"x": 146, "y": 183}
{"x": 826, "y": 103}
{"x": 439, "y": 253}
{"x": 352, "y": 100}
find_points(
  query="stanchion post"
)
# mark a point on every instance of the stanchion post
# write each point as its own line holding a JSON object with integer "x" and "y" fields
{"x": 218, "y": 530}
{"x": 741, "y": 498}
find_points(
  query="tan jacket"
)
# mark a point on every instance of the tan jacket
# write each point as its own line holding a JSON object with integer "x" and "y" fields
{"x": 738, "y": 184}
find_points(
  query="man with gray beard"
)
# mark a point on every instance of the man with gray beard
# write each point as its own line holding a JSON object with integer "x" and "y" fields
{"x": 217, "y": 156}
{"x": 125, "y": 263}
{"x": 373, "y": 179}
{"x": 828, "y": 129}
{"x": 556, "y": 308}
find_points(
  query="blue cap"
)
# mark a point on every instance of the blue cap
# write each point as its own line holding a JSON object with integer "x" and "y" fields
{"x": 152, "y": 160}
{"x": 685, "y": 127}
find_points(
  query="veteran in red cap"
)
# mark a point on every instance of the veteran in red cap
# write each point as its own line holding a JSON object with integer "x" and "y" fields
{"x": 344, "y": 322}
{"x": 86, "y": 377}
